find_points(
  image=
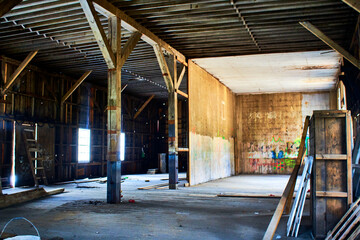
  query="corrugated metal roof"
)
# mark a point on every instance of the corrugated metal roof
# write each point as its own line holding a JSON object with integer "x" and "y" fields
{"x": 201, "y": 28}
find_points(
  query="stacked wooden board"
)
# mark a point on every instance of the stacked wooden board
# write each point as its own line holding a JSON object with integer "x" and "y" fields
{"x": 349, "y": 226}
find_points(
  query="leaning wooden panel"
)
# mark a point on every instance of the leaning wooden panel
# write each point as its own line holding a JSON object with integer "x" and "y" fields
{"x": 331, "y": 175}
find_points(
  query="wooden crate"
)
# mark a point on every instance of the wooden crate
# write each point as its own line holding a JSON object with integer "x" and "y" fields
{"x": 331, "y": 183}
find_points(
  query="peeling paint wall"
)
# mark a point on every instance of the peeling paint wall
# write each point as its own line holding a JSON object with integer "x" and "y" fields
{"x": 211, "y": 109}
{"x": 269, "y": 128}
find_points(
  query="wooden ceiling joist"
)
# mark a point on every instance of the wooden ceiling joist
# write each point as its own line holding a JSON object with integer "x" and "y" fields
{"x": 99, "y": 33}
{"x": 355, "y": 4}
{"x": 314, "y": 30}
{"x": 17, "y": 72}
{"x": 131, "y": 25}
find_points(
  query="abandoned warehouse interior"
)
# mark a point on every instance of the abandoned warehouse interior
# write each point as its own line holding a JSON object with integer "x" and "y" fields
{"x": 180, "y": 119}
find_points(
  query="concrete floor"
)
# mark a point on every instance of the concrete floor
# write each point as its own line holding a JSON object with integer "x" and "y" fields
{"x": 188, "y": 213}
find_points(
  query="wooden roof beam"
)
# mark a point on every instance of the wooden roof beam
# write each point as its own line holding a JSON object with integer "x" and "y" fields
{"x": 355, "y": 4}
{"x": 99, "y": 33}
{"x": 108, "y": 9}
{"x": 331, "y": 43}
{"x": 164, "y": 68}
{"x": 6, "y": 6}
{"x": 17, "y": 72}
{"x": 143, "y": 106}
{"x": 75, "y": 86}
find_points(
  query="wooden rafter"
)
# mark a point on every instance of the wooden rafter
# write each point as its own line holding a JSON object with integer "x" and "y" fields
{"x": 314, "y": 30}
{"x": 143, "y": 106}
{"x": 98, "y": 32}
{"x": 108, "y": 9}
{"x": 164, "y": 68}
{"x": 6, "y": 6}
{"x": 75, "y": 86}
{"x": 17, "y": 72}
{"x": 129, "y": 46}
{"x": 355, "y": 4}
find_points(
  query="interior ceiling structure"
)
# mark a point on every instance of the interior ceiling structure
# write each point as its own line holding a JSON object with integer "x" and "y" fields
{"x": 199, "y": 28}
{"x": 276, "y": 72}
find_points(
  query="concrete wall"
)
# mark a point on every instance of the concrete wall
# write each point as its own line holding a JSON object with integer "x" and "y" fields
{"x": 211, "y": 124}
{"x": 269, "y": 128}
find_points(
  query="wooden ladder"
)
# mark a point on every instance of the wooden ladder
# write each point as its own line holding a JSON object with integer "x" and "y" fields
{"x": 33, "y": 151}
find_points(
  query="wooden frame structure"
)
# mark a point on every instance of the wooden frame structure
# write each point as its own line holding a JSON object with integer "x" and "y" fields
{"x": 115, "y": 57}
{"x": 331, "y": 182}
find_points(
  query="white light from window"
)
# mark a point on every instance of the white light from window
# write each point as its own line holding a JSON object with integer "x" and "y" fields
{"x": 84, "y": 145}
{"x": 122, "y": 146}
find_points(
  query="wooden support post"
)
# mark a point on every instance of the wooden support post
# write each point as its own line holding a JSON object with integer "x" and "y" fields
{"x": 143, "y": 106}
{"x": 6, "y": 6}
{"x": 17, "y": 72}
{"x": 314, "y": 30}
{"x": 355, "y": 4}
{"x": 75, "y": 86}
{"x": 173, "y": 140}
{"x": 114, "y": 116}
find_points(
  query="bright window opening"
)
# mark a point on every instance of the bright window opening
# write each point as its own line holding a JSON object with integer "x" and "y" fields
{"x": 122, "y": 146}
{"x": 84, "y": 145}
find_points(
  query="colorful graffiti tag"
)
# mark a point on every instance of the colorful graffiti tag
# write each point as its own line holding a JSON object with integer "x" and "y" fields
{"x": 272, "y": 156}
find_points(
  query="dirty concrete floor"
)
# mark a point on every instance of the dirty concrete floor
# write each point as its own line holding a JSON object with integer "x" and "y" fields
{"x": 188, "y": 213}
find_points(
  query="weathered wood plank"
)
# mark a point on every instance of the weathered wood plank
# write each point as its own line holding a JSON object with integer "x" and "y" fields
{"x": 355, "y": 4}
{"x": 129, "y": 46}
{"x": 18, "y": 71}
{"x": 182, "y": 93}
{"x": 98, "y": 32}
{"x": 178, "y": 82}
{"x": 143, "y": 106}
{"x": 302, "y": 149}
{"x": 331, "y": 156}
{"x": 314, "y": 30}
{"x": 164, "y": 68}
{"x": 270, "y": 231}
{"x": 75, "y": 86}
{"x": 7, "y": 200}
{"x": 331, "y": 194}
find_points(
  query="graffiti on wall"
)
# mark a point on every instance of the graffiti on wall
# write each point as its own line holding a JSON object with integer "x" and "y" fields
{"x": 275, "y": 155}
